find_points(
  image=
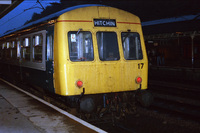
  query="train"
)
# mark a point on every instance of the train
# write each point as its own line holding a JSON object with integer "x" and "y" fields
{"x": 93, "y": 56}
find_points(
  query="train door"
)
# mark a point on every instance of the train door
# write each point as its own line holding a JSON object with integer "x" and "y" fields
{"x": 49, "y": 60}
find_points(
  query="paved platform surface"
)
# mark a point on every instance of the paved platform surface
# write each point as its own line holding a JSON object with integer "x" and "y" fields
{"x": 20, "y": 113}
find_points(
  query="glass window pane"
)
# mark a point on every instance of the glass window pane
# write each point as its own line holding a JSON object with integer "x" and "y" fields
{"x": 3, "y": 45}
{"x": 131, "y": 46}
{"x": 26, "y": 49}
{"x": 26, "y": 42}
{"x": 26, "y": 53}
{"x": 8, "y": 53}
{"x": 8, "y": 45}
{"x": 13, "y": 44}
{"x": 37, "y": 56}
{"x": 50, "y": 47}
{"x": 37, "y": 40}
{"x": 80, "y": 46}
{"x": 107, "y": 46}
{"x": 13, "y": 51}
{"x": 18, "y": 49}
{"x": 37, "y": 48}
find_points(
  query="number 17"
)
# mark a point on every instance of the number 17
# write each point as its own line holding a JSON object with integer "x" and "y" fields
{"x": 140, "y": 65}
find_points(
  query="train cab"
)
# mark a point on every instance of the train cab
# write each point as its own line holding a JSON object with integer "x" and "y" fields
{"x": 101, "y": 47}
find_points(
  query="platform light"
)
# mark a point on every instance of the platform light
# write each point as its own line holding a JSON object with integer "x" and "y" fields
{"x": 150, "y": 42}
{"x": 179, "y": 32}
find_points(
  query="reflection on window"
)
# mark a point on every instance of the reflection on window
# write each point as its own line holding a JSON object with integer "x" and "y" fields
{"x": 50, "y": 47}
{"x": 26, "y": 49}
{"x": 131, "y": 46}
{"x": 13, "y": 44}
{"x": 37, "y": 48}
{"x": 8, "y": 45}
{"x": 80, "y": 46}
{"x": 3, "y": 45}
{"x": 107, "y": 46}
{"x": 18, "y": 49}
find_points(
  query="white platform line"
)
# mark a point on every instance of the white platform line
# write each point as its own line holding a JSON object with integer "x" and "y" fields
{"x": 58, "y": 109}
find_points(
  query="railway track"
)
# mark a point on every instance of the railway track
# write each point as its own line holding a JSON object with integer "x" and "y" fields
{"x": 175, "y": 89}
{"x": 181, "y": 101}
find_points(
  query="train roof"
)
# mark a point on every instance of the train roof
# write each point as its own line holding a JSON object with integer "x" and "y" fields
{"x": 49, "y": 17}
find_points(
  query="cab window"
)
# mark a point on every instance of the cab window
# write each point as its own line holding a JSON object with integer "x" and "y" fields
{"x": 107, "y": 46}
{"x": 131, "y": 46}
{"x": 80, "y": 46}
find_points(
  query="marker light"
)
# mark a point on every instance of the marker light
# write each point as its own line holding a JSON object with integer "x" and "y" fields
{"x": 138, "y": 80}
{"x": 79, "y": 83}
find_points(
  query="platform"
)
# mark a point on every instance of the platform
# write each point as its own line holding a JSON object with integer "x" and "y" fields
{"x": 21, "y": 113}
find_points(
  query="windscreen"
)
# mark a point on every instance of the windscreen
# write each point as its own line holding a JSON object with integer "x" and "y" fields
{"x": 80, "y": 46}
{"x": 131, "y": 46}
{"x": 107, "y": 46}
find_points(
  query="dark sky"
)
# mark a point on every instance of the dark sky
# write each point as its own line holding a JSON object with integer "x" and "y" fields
{"x": 147, "y": 10}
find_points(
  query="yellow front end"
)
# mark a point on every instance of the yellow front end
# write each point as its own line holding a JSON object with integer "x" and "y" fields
{"x": 98, "y": 76}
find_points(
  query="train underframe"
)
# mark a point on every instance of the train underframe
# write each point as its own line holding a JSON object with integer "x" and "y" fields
{"x": 116, "y": 104}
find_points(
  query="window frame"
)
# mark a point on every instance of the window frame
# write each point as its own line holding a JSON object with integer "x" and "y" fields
{"x": 13, "y": 49}
{"x": 34, "y": 64}
{"x": 81, "y": 59}
{"x": 25, "y": 46}
{"x": 34, "y": 45}
{"x": 137, "y": 58}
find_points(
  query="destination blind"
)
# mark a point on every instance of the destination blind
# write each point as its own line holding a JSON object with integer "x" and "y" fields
{"x": 105, "y": 22}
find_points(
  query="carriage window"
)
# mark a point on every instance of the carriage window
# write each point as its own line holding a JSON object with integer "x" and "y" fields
{"x": 18, "y": 49}
{"x": 8, "y": 50}
{"x": 26, "y": 49}
{"x": 80, "y": 46}
{"x": 13, "y": 51}
{"x": 13, "y": 44}
{"x": 108, "y": 46}
{"x": 3, "y": 45}
{"x": 3, "y": 50}
{"x": 37, "y": 48}
{"x": 8, "y": 45}
{"x": 131, "y": 46}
